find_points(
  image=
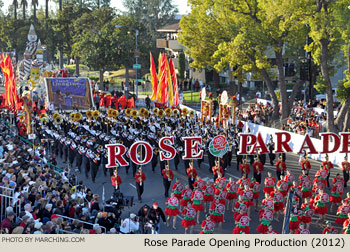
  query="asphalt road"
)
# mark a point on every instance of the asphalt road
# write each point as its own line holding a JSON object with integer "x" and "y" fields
{"x": 154, "y": 191}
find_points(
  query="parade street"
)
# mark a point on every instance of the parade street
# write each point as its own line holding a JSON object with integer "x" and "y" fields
{"x": 154, "y": 191}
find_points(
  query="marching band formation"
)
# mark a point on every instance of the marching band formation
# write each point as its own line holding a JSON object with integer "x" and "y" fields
{"x": 80, "y": 141}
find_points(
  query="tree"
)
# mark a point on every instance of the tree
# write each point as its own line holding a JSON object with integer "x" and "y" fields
{"x": 153, "y": 14}
{"x": 35, "y": 4}
{"x": 330, "y": 31}
{"x": 15, "y": 6}
{"x": 95, "y": 40}
{"x": 47, "y": 9}
{"x": 182, "y": 66}
{"x": 24, "y": 4}
{"x": 238, "y": 34}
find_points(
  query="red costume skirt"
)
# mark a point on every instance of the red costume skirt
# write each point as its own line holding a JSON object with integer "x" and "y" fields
{"x": 335, "y": 200}
{"x": 321, "y": 210}
{"x": 178, "y": 196}
{"x": 208, "y": 198}
{"x": 268, "y": 190}
{"x": 222, "y": 201}
{"x": 340, "y": 221}
{"x": 238, "y": 230}
{"x": 198, "y": 207}
{"x": 284, "y": 193}
{"x": 249, "y": 203}
{"x": 306, "y": 219}
{"x": 306, "y": 194}
{"x": 293, "y": 225}
{"x": 201, "y": 232}
{"x": 256, "y": 195}
{"x": 188, "y": 223}
{"x": 171, "y": 212}
{"x": 278, "y": 206}
{"x": 217, "y": 218}
{"x": 262, "y": 229}
{"x": 231, "y": 196}
{"x": 184, "y": 202}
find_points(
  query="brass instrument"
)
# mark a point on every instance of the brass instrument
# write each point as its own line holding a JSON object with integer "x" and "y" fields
{"x": 115, "y": 113}
{"x": 155, "y": 110}
{"x": 109, "y": 112}
{"x": 161, "y": 113}
{"x": 55, "y": 115}
{"x": 72, "y": 116}
{"x": 146, "y": 113}
{"x": 142, "y": 111}
{"x": 96, "y": 114}
{"x": 120, "y": 142}
{"x": 176, "y": 112}
{"x": 134, "y": 113}
{"x": 89, "y": 114}
{"x": 42, "y": 115}
{"x": 157, "y": 150}
{"x": 44, "y": 120}
{"x": 128, "y": 112}
{"x": 78, "y": 116}
{"x": 185, "y": 111}
{"x": 58, "y": 120}
{"x": 168, "y": 111}
{"x": 192, "y": 113}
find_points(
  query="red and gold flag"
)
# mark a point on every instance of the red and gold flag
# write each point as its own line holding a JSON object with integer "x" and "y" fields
{"x": 154, "y": 78}
{"x": 169, "y": 83}
{"x": 162, "y": 93}
{"x": 175, "y": 84}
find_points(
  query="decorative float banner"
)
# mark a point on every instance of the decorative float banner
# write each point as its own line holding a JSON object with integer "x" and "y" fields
{"x": 219, "y": 146}
{"x": 250, "y": 144}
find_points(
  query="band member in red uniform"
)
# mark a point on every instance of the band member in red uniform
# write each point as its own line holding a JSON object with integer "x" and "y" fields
{"x": 231, "y": 188}
{"x": 305, "y": 165}
{"x": 336, "y": 191}
{"x": 116, "y": 181}
{"x": 140, "y": 178}
{"x": 270, "y": 230}
{"x": 168, "y": 176}
{"x": 277, "y": 202}
{"x": 172, "y": 209}
{"x": 189, "y": 214}
{"x": 245, "y": 169}
{"x": 242, "y": 224}
{"x": 329, "y": 229}
{"x": 208, "y": 195}
{"x": 342, "y": 213}
{"x": 302, "y": 230}
{"x": 345, "y": 165}
{"x": 177, "y": 189}
{"x": 269, "y": 183}
{"x": 192, "y": 174}
{"x": 280, "y": 167}
{"x": 289, "y": 178}
{"x": 255, "y": 187}
{"x": 322, "y": 175}
{"x": 258, "y": 168}
{"x": 217, "y": 168}
{"x": 199, "y": 184}
{"x": 207, "y": 225}
{"x": 217, "y": 212}
{"x": 320, "y": 202}
{"x": 266, "y": 217}
{"x": 308, "y": 211}
{"x": 197, "y": 199}
{"x": 186, "y": 196}
{"x": 327, "y": 165}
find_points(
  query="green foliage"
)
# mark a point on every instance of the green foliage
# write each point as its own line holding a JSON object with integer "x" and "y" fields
{"x": 321, "y": 84}
{"x": 343, "y": 90}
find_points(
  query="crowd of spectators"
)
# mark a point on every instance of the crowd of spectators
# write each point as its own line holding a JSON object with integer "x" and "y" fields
{"x": 42, "y": 199}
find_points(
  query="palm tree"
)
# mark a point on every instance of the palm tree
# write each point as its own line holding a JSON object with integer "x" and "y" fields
{"x": 47, "y": 9}
{"x": 24, "y": 4}
{"x": 15, "y": 6}
{"x": 35, "y": 4}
